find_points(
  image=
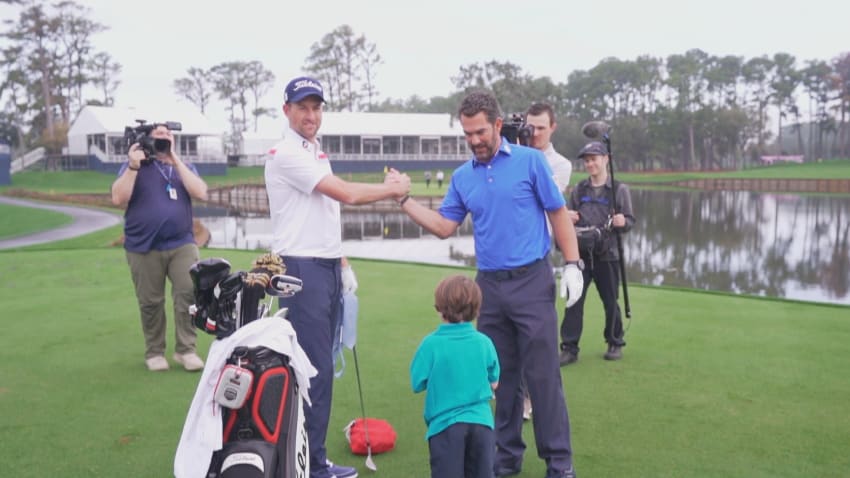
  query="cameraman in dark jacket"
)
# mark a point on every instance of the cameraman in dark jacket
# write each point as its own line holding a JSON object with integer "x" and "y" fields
{"x": 596, "y": 219}
{"x": 157, "y": 188}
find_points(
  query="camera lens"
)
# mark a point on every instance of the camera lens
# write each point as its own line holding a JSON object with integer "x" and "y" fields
{"x": 161, "y": 145}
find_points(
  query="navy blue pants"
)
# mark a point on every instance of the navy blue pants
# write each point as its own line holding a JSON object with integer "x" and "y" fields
{"x": 314, "y": 314}
{"x": 606, "y": 276}
{"x": 463, "y": 450}
{"x": 518, "y": 314}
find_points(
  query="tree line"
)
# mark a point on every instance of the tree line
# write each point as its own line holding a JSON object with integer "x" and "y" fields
{"x": 691, "y": 110}
{"x": 47, "y": 63}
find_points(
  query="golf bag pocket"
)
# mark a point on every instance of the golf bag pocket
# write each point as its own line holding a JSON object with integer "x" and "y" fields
{"x": 248, "y": 459}
{"x": 263, "y": 422}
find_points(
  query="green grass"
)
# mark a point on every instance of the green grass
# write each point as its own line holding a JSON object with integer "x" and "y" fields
{"x": 830, "y": 169}
{"x": 711, "y": 385}
{"x": 18, "y": 221}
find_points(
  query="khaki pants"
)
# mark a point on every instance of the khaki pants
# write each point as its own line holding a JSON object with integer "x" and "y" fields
{"x": 149, "y": 272}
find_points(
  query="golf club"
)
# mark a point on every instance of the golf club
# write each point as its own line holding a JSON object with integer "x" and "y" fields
{"x": 369, "y": 462}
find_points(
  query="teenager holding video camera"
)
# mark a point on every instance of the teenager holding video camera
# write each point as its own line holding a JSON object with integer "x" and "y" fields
{"x": 596, "y": 220}
{"x": 157, "y": 188}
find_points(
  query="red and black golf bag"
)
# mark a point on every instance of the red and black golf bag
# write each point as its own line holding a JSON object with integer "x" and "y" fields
{"x": 264, "y": 436}
{"x": 256, "y": 394}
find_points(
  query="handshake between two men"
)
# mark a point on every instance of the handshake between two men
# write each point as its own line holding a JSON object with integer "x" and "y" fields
{"x": 571, "y": 275}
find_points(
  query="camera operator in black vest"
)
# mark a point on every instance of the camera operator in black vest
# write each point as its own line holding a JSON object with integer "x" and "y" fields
{"x": 596, "y": 219}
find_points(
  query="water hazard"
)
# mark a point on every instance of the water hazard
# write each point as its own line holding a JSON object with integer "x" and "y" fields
{"x": 775, "y": 245}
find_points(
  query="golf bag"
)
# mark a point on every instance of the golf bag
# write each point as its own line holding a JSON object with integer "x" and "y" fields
{"x": 257, "y": 392}
{"x": 263, "y": 419}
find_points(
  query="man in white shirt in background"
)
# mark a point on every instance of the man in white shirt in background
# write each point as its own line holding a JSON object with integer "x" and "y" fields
{"x": 541, "y": 118}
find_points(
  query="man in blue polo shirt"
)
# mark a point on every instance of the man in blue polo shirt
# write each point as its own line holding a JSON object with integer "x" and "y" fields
{"x": 509, "y": 191}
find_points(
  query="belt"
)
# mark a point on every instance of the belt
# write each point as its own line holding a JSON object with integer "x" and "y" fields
{"x": 318, "y": 260}
{"x": 508, "y": 274}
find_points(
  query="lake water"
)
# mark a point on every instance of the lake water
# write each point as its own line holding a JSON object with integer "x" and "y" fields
{"x": 774, "y": 245}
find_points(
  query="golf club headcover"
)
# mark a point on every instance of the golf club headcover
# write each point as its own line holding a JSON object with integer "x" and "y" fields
{"x": 253, "y": 292}
{"x": 224, "y": 313}
{"x": 269, "y": 264}
{"x": 206, "y": 275}
{"x": 381, "y": 434}
{"x": 282, "y": 285}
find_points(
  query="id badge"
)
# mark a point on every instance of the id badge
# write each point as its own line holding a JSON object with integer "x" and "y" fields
{"x": 172, "y": 193}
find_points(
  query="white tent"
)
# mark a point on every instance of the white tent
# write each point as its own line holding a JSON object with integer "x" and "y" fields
{"x": 99, "y": 131}
{"x": 374, "y": 126}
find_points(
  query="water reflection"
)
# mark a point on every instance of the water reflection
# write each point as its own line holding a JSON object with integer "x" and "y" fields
{"x": 776, "y": 245}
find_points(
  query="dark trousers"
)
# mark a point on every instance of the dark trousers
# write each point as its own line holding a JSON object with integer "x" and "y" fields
{"x": 606, "y": 276}
{"x": 314, "y": 312}
{"x": 518, "y": 314}
{"x": 463, "y": 450}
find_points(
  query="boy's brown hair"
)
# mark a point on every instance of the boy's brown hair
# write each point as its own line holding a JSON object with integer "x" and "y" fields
{"x": 458, "y": 299}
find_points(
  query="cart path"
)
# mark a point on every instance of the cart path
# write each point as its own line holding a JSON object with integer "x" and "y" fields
{"x": 84, "y": 221}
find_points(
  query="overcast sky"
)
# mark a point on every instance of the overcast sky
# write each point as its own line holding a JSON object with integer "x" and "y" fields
{"x": 424, "y": 43}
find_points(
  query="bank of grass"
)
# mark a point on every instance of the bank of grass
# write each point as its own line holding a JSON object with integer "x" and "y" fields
{"x": 827, "y": 169}
{"x": 710, "y": 386}
{"x": 87, "y": 182}
{"x": 18, "y": 221}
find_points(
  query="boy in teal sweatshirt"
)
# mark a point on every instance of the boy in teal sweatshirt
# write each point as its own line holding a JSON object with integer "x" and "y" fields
{"x": 459, "y": 369}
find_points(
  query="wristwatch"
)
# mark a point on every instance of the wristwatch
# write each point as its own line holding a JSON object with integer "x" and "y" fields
{"x": 579, "y": 263}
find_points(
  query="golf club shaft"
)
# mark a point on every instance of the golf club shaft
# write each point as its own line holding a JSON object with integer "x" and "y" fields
{"x": 360, "y": 391}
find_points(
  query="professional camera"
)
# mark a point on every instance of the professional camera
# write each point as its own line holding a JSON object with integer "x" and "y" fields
{"x": 142, "y": 134}
{"x": 515, "y": 129}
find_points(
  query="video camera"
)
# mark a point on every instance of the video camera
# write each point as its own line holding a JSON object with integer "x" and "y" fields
{"x": 516, "y": 130}
{"x": 142, "y": 134}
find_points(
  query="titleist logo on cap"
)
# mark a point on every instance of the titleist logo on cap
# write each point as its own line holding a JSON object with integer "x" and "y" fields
{"x": 306, "y": 83}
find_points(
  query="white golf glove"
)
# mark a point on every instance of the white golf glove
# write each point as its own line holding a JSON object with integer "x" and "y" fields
{"x": 572, "y": 283}
{"x": 349, "y": 280}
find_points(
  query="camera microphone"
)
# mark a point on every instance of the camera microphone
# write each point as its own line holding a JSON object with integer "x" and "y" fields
{"x": 595, "y": 129}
